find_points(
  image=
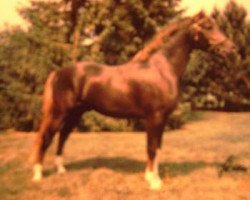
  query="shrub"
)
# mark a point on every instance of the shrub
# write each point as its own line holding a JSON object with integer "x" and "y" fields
{"x": 95, "y": 122}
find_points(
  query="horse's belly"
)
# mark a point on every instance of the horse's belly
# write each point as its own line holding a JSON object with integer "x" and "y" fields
{"x": 117, "y": 106}
{"x": 129, "y": 97}
{"x": 127, "y": 106}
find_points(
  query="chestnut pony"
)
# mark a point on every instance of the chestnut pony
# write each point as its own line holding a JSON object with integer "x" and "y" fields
{"x": 146, "y": 87}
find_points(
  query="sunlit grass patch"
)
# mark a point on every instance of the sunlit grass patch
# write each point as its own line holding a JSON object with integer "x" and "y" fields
{"x": 14, "y": 178}
{"x": 111, "y": 166}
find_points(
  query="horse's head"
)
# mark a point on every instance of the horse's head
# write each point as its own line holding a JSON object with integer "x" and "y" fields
{"x": 205, "y": 34}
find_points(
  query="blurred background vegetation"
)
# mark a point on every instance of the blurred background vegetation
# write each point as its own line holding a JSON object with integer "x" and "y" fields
{"x": 112, "y": 31}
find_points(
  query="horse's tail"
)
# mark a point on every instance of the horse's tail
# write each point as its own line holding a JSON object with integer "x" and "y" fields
{"x": 48, "y": 103}
{"x": 48, "y": 93}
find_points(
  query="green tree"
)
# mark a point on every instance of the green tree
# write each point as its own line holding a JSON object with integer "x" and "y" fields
{"x": 26, "y": 60}
{"x": 61, "y": 32}
{"x": 112, "y": 31}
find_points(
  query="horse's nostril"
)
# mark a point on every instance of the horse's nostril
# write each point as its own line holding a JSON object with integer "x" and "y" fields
{"x": 231, "y": 46}
{"x": 234, "y": 48}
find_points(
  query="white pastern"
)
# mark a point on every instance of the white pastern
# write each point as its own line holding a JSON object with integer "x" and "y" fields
{"x": 37, "y": 172}
{"x": 153, "y": 177}
{"x": 59, "y": 164}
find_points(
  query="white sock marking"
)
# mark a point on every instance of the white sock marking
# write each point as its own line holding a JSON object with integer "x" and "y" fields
{"x": 37, "y": 172}
{"x": 153, "y": 176}
{"x": 59, "y": 164}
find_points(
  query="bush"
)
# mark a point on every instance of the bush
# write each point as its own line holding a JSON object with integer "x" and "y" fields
{"x": 95, "y": 122}
{"x": 182, "y": 114}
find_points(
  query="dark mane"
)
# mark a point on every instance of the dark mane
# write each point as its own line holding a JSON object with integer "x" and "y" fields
{"x": 158, "y": 41}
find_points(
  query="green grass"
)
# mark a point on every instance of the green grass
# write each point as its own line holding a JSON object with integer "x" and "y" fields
{"x": 64, "y": 192}
{"x": 14, "y": 179}
{"x": 184, "y": 156}
{"x": 183, "y": 168}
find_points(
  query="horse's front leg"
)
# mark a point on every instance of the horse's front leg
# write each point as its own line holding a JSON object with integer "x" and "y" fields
{"x": 154, "y": 128}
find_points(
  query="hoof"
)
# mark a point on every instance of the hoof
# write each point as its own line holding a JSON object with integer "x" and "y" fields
{"x": 59, "y": 164}
{"x": 61, "y": 170}
{"x": 36, "y": 178}
{"x": 37, "y": 173}
{"x": 155, "y": 184}
{"x": 154, "y": 180}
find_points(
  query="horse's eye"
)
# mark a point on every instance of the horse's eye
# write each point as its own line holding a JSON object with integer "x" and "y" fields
{"x": 207, "y": 26}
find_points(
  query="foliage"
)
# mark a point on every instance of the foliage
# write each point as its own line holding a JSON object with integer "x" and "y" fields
{"x": 112, "y": 31}
{"x": 64, "y": 31}
{"x": 18, "y": 87}
{"x": 95, "y": 122}
{"x": 182, "y": 114}
{"x": 212, "y": 82}
{"x": 26, "y": 60}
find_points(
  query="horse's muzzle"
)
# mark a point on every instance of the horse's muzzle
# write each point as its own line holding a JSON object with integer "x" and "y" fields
{"x": 225, "y": 48}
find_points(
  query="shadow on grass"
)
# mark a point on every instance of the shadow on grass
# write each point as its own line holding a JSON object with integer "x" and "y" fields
{"x": 130, "y": 166}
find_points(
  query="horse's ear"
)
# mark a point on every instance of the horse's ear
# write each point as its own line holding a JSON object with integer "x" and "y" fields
{"x": 194, "y": 32}
{"x": 195, "y": 28}
{"x": 199, "y": 15}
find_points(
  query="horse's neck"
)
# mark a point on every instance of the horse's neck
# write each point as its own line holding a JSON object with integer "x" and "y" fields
{"x": 177, "y": 52}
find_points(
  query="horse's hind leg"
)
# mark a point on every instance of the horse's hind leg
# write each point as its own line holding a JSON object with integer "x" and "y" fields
{"x": 154, "y": 127}
{"x": 49, "y": 126}
{"x": 70, "y": 122}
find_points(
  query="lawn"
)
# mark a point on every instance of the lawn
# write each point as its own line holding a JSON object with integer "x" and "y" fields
{"x": 110, "y": 166}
